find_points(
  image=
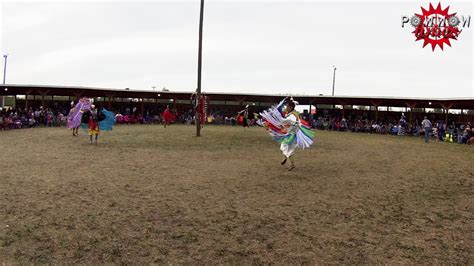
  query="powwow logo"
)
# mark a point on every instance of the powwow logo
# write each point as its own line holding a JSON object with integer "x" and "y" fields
{"x": 436, "y": 26}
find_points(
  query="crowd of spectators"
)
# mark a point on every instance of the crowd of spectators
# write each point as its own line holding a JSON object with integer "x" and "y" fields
{"x": 451, "y": 132}
{"x": 26, "y": 118}
{"x": 54, "y": 117}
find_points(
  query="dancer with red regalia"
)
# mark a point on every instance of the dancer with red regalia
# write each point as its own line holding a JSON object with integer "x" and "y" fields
{"x": 200, "y": 107}
{"x": 168, "y": 116}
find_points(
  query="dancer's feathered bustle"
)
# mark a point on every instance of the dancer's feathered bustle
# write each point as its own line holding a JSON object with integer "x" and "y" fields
{"x": 285, "y": 126}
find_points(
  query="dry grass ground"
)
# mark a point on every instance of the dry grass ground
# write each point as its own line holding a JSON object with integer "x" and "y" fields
{"x": 152, "y": 195}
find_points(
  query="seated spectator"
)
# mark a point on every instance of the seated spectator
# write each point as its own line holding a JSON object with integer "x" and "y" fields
{"x": 470, "y": 141}
{"x": 8, "y": 122}
{"x": 343, "y": 124}
{"x": 466, "y": 136}
{"x": 31, "y": 122}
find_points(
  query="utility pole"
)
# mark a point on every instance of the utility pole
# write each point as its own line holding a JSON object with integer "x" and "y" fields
{"x": 4, "y": 76}
{"x": 198, "y": 90}
{"x": 333, "y": 79}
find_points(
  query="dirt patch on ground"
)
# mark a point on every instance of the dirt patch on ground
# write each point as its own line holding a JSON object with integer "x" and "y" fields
{"x": 148, "y": 194}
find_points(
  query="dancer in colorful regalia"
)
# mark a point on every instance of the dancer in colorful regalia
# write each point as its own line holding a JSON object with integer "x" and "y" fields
{"x": 200, "y": 107}
{"x": 285, "y": 126}
{"x": 168, "y": 116}
{"x": 243, "y": 116}
{"x": 95, "y": 120}
{"x": 75, "y": 114}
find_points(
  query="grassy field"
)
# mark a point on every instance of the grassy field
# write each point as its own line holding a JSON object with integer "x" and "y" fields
{"x": 147, "y": 194}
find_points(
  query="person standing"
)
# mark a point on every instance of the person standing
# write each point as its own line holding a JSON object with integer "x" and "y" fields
{"x": 91, "y": 118}
{"x": 37, "y": 117}
{"x": 244, "y": 115}
{"x": 426, "y": 125}
{"x": 441, "y": 130}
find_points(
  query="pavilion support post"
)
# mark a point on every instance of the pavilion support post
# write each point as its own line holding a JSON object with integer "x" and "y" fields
{"x": 412, "y": 106}
{"x": 446, "y": 118}
{"x": 343, "y": 108}
{"x": 376, "y": 104}
{"x": 78, "y": 95}
{"x": 142, "y": 107}
{"x": 26, "y": 100}
{"x": 109, "y": 99}
{"x": 446, "y": 109}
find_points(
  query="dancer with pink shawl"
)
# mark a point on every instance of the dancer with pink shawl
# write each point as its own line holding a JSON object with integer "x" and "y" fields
{"x": 75, "y": 114}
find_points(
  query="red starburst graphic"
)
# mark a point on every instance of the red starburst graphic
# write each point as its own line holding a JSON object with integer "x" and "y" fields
{"x": 434, "y": 28}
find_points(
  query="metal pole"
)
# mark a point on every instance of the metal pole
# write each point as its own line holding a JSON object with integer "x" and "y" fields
{"x": 5, "y": 68}
{"x": 4, "y": 77}
{"x": 333, "y": 80}
{"x": 446, "y": 119}
{"x": 198, "y": 90}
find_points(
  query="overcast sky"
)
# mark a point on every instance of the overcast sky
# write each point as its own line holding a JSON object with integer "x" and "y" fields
{"x": 249, "y": 46}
